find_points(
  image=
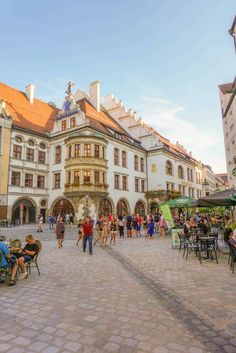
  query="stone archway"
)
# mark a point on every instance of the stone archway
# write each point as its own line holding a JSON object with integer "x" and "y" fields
{"x": 24, "y": 211}
{"x": 122, "y": 208}
{"x": 105, "y": 207}
{"x": 62, "y": 206}
{"x": 140, "y": 208}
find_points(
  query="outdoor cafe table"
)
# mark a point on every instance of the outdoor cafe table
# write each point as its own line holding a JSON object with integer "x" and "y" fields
{"x": 206, "y": 239}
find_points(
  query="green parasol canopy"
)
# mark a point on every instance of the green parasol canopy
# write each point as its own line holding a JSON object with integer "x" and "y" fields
{"x": 181, "y": 202}
{"x": 222, "y": 198}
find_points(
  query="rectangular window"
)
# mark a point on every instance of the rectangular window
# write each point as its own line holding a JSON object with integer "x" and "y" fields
{"x": 29, "y": 154}
{"x": 116, "y": 156}
{"x": 96, "y": 176}
{"x": 142, "y": 186}
{"x": 124, "y": 159}
{"x": 87, "y": 149}
{"x": 57, "y": 180}
{"x": 58, "y": 155}
{"x": 40, "y": 182}
{"x": 17, "y": 151}
{"x": 136, "y": 185}
{"x": 42, "y": 157}
{"x": 116, "y": 181}
{"x": 124, "y": 182}
{"x": 136, "y": 163}
{"x": 29, "y": 180}
{"x": 142, "y": 165}
{"x": 191, "y": 175}
{"x": 87, "y": 176}
{"x": 169, "y": 186}
{"x": 76, "y": 176}
{"x": 15, "y": 178}
{"x": 69, "y": 151}
{"x": 188, "y": 174}
{"x": 69, "y": 177}
{"x": 77, "y": 150}
{"x": 96, "y": 151}
{"x": 103, "y": 178}
{"x": 72, "y": 122}
{"x": 63, "y": 125}
{"x": 103, "y": 152}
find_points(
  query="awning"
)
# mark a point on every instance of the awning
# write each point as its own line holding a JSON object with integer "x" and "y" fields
{"x": 221, "y": 198}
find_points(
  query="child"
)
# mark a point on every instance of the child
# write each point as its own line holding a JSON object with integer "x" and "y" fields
{"x": 151, "y": 230}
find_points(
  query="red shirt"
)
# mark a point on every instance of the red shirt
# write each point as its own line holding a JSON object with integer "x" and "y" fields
{"x": 88, "y": 229}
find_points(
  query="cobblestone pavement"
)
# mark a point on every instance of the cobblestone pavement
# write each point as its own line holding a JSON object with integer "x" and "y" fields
{"x": 138, "y": 296}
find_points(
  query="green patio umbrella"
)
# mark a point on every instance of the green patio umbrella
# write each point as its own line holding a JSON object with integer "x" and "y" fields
{"x": 222, "y": 198}
{"x": 182, "y": 202}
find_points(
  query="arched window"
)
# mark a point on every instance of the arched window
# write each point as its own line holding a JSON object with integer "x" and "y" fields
{"x": 180, "y": 172}
{"x": 169, "y": 168}
{"x": 105, "y": 207}
{"x": 62, "y": 206}
{"x": 140, "y": 208}
{"x": 122, "y": 208}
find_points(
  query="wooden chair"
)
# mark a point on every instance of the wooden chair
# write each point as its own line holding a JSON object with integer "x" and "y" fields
{"x": 34, "y": 262}
{"x": 16, "y": 243}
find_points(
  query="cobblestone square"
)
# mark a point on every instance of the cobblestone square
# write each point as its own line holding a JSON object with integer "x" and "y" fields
{"x": 137, "y": 296}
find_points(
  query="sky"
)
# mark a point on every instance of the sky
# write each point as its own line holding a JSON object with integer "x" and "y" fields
{"x": 163, "y": 59}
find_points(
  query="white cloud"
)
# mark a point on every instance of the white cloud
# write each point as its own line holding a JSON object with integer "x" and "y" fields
{"x": 167, "y": 118}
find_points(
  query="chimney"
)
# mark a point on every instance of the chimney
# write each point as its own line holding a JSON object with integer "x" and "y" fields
{"x": 2, "y": 105}
{"x": 29, "y": 91}
{"x": 95, "y": 95}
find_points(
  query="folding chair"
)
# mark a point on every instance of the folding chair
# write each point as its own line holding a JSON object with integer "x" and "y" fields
{"x": 34, "y": 262}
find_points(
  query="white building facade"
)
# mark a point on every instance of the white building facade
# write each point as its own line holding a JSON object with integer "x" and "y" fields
{"x": 88, "y": 158}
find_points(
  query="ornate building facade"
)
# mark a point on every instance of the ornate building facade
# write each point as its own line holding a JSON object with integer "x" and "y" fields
{"x": 86, "y": 158}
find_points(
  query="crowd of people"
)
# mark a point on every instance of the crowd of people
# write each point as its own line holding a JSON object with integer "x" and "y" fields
{"x": 104, "y": 230}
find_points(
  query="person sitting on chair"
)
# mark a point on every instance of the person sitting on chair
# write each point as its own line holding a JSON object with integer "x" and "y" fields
{"x": 8, "y": 260}
{"x": 27, "y": 254}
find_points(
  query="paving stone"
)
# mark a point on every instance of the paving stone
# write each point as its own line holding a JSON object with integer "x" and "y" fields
{"x": 73, "y": 346}
{"x": 4, "y": 347}
{"x": 150, "y": 308}
{"x": 21, "y": 341}
{"x": 38, "y": 346}
{"x": 160, "y": 350}
{"x": 111, "y": 347}
{"x": 50, "y": 349}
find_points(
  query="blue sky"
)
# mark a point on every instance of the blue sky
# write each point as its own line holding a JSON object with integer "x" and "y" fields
{"x": 163, "y": 59}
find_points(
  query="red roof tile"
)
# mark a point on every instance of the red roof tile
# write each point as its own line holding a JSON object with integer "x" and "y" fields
{"x": 38, "y": 117}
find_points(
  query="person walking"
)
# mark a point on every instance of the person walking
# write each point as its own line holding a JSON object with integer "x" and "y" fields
{"x": 40, "y": 223}
{"x": 139, "y": 224}
{"x": 80, "y": 231}
{"x": 163, "y": 226}
{"x": 151, "y": 229}
{"x": 88, "y": 235}
{"x": 121, "y": 226}
{"x": 113, "y": 230}
{"x": 50, "y": 221}
{"x": 60, "y": 232}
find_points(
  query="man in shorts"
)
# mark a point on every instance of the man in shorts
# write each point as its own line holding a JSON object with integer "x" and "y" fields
{"x": 27, "y": 254}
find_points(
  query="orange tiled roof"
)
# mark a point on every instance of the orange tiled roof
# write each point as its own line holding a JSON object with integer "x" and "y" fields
{"x": 102, "y": 117}
{"x": 38, "y": 117}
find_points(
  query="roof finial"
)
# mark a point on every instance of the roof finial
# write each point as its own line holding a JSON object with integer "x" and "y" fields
{"x": 70, "y": 85}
